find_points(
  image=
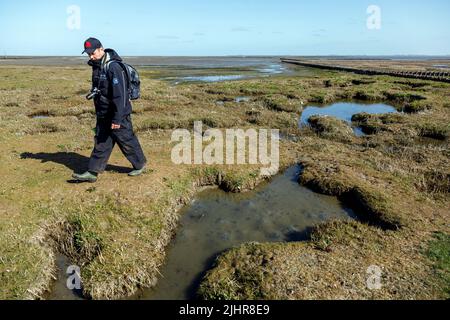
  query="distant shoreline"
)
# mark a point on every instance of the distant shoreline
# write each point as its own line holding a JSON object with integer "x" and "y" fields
{"x": 333, "y": 57}
{"x": 212, "y": 61}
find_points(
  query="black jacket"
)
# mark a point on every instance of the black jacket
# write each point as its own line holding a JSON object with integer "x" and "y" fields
{"x": 114, "y": 102}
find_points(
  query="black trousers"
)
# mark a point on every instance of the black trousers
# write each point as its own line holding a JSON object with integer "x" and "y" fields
{"x": 105, "y": 140}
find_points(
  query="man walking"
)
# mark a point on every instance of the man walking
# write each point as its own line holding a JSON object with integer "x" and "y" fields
{"x": 113, "y": 110}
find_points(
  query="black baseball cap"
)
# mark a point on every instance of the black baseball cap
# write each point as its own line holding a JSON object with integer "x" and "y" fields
{"x": 91, "y": 44}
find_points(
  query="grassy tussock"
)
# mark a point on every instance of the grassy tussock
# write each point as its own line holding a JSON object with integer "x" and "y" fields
{"x": 331, "y": 128}
{"x": 434, "y": 130}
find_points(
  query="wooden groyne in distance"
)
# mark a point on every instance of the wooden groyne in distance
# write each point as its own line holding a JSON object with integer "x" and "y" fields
{"x": 424, "y": 75}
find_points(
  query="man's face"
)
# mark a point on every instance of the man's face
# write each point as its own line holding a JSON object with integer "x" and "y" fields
{"x": 97, "y": 54}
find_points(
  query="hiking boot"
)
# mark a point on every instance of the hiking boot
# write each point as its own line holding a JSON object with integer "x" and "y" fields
{"x": 85, "y": 177}
{"x": 136, "y": 173}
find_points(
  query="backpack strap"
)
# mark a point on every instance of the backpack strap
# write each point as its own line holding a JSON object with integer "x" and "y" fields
{"x": 124, "y": 67}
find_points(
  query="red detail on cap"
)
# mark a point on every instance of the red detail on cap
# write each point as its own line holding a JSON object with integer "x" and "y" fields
{"x": 88, "y": 44}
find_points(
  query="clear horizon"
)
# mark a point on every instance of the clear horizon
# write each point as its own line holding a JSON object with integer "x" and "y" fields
{"x": 178, "y": 28}
{"x": 240, "y": 56}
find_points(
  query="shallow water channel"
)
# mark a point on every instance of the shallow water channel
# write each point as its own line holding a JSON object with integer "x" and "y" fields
{"x": 280, "y": 210}
{"x": 277, "y": 211}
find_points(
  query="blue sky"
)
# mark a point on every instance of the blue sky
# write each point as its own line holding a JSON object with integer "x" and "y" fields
{"x": 232, "y": 27}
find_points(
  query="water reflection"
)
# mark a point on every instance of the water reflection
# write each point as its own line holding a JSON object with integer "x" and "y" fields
{"x": 345, "y": 111}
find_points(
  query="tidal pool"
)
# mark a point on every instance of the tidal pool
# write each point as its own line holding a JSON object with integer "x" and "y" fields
{"x": 41, "y": 117}
{"x": 345, "y": 111}
{"x": 217, "y": 78}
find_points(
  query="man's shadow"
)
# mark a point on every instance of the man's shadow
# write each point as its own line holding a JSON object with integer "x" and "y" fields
{"x": 74, "y": 161}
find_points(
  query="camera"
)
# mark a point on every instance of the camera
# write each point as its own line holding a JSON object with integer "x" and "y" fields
{"x": 94, "y": 92}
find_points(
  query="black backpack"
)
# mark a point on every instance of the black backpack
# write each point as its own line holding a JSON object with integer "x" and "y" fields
{"x": 134, "y": 82}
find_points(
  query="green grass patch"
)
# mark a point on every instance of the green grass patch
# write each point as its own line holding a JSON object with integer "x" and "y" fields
{"x": 439, "y": 253}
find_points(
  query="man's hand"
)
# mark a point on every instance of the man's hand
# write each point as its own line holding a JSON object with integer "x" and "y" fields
{"x": 115, "y": 126}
